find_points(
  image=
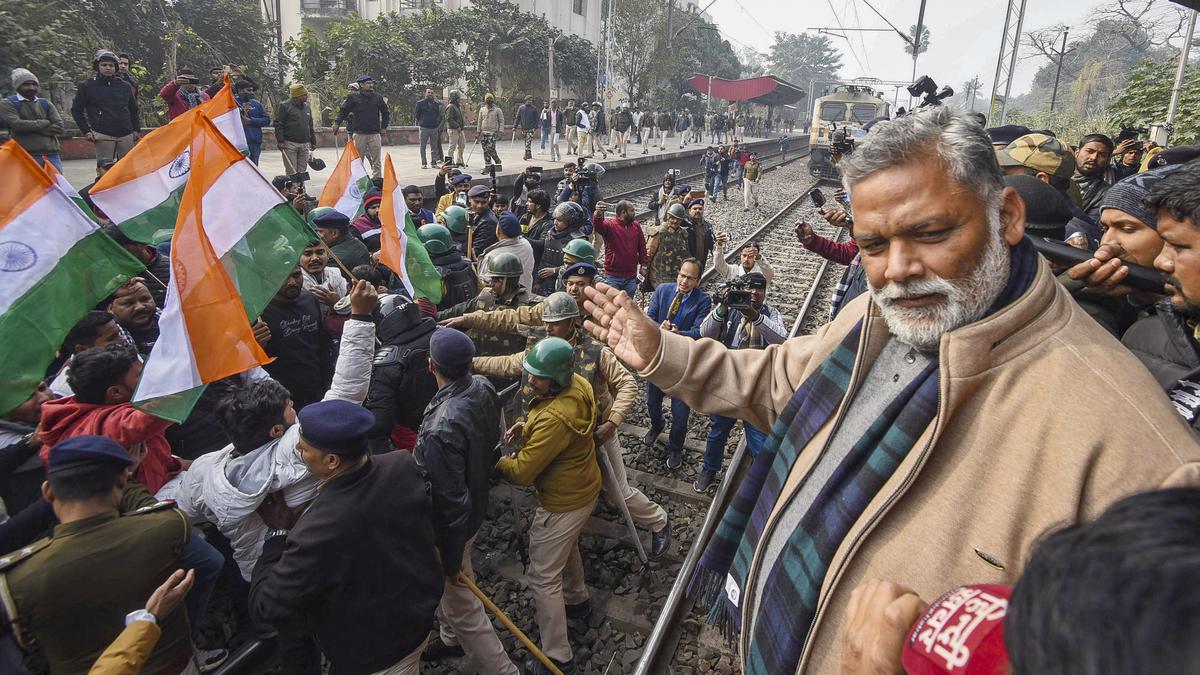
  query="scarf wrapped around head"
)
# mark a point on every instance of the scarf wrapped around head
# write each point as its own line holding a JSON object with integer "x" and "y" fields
{"x": 788, "y": 600}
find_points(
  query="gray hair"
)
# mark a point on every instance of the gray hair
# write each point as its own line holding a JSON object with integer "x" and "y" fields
{"x": 950, "y": 135}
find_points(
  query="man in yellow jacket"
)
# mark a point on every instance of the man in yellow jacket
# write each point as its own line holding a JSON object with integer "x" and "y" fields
{"x": 558, "y": 457}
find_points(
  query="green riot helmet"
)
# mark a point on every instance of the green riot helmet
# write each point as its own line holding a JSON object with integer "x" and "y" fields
{"x": 552, "y": 358}
{"x": 503, "y": 265}
{"x": 558, "y": 306}
{"x": 435, "y": 237}
{"x": 581, "y": 250}
{"x": 455, "y": 218}
{"x": 678, "y": 211}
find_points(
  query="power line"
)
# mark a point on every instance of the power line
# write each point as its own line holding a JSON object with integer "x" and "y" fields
{"x": 849, "y": 44}
{"x": 861, "y": 41}
{"x": 766, "y": 32}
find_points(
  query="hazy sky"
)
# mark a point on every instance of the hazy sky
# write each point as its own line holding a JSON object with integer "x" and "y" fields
{"x": 964, "y": 34}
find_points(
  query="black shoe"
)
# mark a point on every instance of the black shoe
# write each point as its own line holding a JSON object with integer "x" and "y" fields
{"x": 704, "y": 481}
{"x": 436, "y": 650}
{"x": 659, "y": 541}
{"x": 651, "y": 436}
{"x": 580, "y": 611}
{"x": 535, "y": 667}
{"x": 674, "y": 458}
{"x": 209, "y": 660}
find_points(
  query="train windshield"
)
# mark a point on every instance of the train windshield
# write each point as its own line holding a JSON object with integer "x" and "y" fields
{"x": 863, "y": 112}
{"x": 834, "y": 111}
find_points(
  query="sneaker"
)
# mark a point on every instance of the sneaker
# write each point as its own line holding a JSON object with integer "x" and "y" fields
{"x": 651, "y": 436}
{"x": 436, "y": 650}
{"x": 424, "y": 166}
{"x": 645, "y": 152}
{"x": 580, "y": 610}
{"x": 674, "y": 458}
{"x": 209, "y": 660}
{"x": 704, "y": 481}
{"x": 659, "y": 541}
{"x": 535, "y": 667}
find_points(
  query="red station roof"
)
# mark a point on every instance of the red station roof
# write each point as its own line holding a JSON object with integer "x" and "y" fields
{"x": 765, "y": 90}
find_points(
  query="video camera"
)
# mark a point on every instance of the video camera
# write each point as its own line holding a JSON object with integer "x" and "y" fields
{"x": 841, "y": 141}
{"x": 1130, "y": 133}
{"x": 299, "y": 177}
{"x": 586, "y": 174}
{"x": 927, "y": 91}
{"x": 734, "y": 294}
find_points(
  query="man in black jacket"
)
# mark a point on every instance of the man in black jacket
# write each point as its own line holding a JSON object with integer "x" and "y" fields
{"x": 358, "y": 569}
{"x": 369, "y": 116}
{"x": 296, "y": 336}
{"x": 483, "y": 221}
{"x": 527, "y": 121}
{"x": 429, "y": 119}
{"x": 106, "y": 110}
{"x": 457, "y": 447}
{"x": 401, "y": 385}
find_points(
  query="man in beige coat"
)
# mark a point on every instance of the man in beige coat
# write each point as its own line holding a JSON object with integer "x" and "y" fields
{"x": 1037, "y": 416}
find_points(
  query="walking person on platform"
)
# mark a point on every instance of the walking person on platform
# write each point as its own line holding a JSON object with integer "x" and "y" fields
{"x": 622, "y": 123}
{"x": 368, "y": 117}
{"x": 429, "y": 120}
{"x": 527, "y": 121}
{"x": 557, "y": 454}
{"x": 681, "y": 127}
{"x": 456, "y": 446}
{"x": 294, "y": 133}
{"x": 678, "y": 308}
{"x": 357, "y": 570}
{"x": 738, "y": 327}
{"x": 664, "y": 123}
{"x": 491, "y": 123}
{"x": 616, "y": 394}
{"x": 599, "y": 129}
{"x": 649, "y": 126}
{"x": 570, "y": 116}
{"x": 455, "y": 129}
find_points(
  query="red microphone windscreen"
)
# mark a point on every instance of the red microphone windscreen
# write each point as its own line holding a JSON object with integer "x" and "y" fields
{"x": 962, "y": 633}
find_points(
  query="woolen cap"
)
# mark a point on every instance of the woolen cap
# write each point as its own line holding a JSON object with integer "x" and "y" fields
{"x": 450, "y": 348}
{"x": 297, "y": 90}
{"x": 1129, "y": 195}
{"x": 509, "y": 225}
{"x": 20, "y": 76}
{"x": 337, "y": 427}
{"x": 87, "y": 452}
{"x": 1047, "y": 211}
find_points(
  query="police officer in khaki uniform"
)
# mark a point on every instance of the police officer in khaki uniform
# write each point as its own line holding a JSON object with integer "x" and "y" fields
{"x": 72, "y": 593}
{"x": 615, "y": 391}
{"x": 504, "y": 291}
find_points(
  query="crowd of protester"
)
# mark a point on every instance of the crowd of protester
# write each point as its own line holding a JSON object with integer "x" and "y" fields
{"x": 930, "y": 486}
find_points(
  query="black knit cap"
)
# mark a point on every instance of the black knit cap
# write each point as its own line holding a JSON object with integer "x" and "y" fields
{"x": 1129, "y": 195}
{"x": 1047, "y": 211}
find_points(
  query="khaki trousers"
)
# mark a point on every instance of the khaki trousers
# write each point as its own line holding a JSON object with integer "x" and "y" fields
{"x": 572, "y": 134}
{"x": 295, "y": 156}
{"x": 409, "y": 665}
{"x": 113, "y": 147}
{"x": 622, "y": 138}
{"x": 458, "y": 141}
{"x": 463, "y": 621}
{"x": 749, "y": 193}
{"x": 643, "y": 511}
{"x": 556, "y": 574}
{"x": 369, "y": 147}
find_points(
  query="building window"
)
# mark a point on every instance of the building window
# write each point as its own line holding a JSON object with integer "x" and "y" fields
{"x": 579, "y": 7}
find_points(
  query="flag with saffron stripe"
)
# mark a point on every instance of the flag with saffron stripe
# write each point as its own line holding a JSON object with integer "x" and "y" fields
{"x": 55, "y": 265}
{"x": 61, "y": 181}
{"x": 235, "y": 242}
{"x": 141, "y": 192}
{"x": 348, "y": 183}
{"x": 400, "y": 249}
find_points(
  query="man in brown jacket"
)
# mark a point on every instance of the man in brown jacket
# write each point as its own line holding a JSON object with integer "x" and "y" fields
{"x": 934, "y": 430}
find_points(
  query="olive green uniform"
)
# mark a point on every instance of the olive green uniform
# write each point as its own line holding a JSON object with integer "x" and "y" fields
{"x": 667, "y": 250}
{"x": 70, "y": 593}
{"x": 492, "y": 343}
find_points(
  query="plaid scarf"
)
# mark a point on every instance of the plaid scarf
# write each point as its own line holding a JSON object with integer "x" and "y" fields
{"x": 787, "y": 605}
{"x": 843, "y": 287}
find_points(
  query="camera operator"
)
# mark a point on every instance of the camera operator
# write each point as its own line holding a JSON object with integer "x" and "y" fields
{"x": 1127, "y": 162}
{"x": 537, "y": 215}
{"x": 529, "y": 181}
{"x": 583, "y": 179}
{"x": 460, "y": 183}
{"x": 741, "y": 319}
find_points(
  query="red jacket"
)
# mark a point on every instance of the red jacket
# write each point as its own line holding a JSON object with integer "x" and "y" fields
{"x": 624, "y": 246}
{"x": 176, "y": 104}
{"x": 841, "y": 253}
{"x": 66, "y": 418}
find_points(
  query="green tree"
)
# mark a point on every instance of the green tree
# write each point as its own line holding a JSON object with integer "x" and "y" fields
{"x": 1147, "y": 94}
{"x": 635, "y": 44}
{"x": 803, "y": 58}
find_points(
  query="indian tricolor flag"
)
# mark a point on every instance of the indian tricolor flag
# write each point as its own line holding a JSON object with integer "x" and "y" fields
{"x": 55, "y": 265}
{"x": 400, "y": 249}
{"x": 141, "y": 192}
{"x": 61, "y": 181}
{"x": 234, "y": 243}
{"x": 349, "y": 182}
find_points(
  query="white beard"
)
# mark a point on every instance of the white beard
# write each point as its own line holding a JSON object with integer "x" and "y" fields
{"x": 963, "y": 301}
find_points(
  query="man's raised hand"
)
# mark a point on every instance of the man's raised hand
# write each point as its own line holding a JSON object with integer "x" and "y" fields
{"x": 617, "y": 321}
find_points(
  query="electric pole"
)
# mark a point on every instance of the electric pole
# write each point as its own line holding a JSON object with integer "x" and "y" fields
{"x": 1061, "y": 53}
{"x": 670, "y": 23}
{"x": 917, "y": 44}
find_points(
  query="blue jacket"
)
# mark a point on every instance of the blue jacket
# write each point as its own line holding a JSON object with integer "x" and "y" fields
{"x": 691, "y": 311}
{"x": 429, "y": 113}
{"x": 258, "y": 119}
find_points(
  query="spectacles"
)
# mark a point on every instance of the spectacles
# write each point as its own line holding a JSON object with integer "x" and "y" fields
{"x": 688, "y": 277}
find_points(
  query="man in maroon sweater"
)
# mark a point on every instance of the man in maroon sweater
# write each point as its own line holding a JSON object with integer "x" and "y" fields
{"x": 624, "y": 246}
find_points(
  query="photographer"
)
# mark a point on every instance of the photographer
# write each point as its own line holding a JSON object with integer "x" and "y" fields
{"x": 182, "y": 94}
{"x": 529, "y": 181}
{"x": 584, "y": 180}
{"x": 752, "y": 260}
{"x": 741, "y": 319}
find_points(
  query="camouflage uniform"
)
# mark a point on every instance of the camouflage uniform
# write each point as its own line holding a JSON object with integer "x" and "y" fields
{"x": 487, "y": 342}
{"x": 667, "y": 250}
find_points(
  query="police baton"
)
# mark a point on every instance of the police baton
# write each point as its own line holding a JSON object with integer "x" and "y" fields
{"x": 512, "y": 627}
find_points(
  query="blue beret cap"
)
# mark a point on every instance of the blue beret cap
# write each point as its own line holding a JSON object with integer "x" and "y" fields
{"x": 365, "y": 77}
{"x": 460, "y": 178}
{"x": 450, "y": 348}
{"x": 89, "y": 452}
{"x": 580, "y": 269}
{"x": 332, "y": 218}
{"x": 509, "y": 224}
{"x": 336, "y": 427}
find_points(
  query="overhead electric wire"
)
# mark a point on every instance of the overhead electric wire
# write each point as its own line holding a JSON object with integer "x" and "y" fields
{"x": 849, "y": 44}
{"x": 861, "y": 41}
